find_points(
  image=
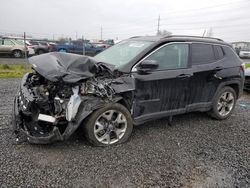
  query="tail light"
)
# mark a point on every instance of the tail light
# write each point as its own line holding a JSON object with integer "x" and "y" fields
{"x": 30, "y": 46}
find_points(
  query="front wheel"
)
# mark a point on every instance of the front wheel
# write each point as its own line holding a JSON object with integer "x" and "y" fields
{"x": 40, "y": 52}
{"x": 224, "y": 103}
{"x": 109, "y": 125}
{"x": 62, "y": 50}
{"x": 17, "y": 53}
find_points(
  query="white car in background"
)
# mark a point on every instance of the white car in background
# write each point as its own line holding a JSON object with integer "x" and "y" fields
{"x": 31, "y": 50}
{"x": 244, "y": 54}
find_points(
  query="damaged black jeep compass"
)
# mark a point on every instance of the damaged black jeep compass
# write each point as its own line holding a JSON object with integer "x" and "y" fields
{"x": 136, "y": 80}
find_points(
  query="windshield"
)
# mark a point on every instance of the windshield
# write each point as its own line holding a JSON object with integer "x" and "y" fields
{"x": 123, "y": 52}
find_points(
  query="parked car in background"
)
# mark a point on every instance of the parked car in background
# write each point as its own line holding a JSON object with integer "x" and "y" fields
{"x": 11, "y": 47}
{"x": 247, "y": 79}
{"x": 244, "y": 53}
{"x": 100, "y": 45}
{"x": 78, "y": 47}
{"x": 39, "y": 47}
{"x": 31, "y": 51}
{"x": 110, "y": 42}
{"x": 52, "y": 46}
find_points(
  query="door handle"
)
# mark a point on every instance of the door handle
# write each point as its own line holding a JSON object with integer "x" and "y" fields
{"x": 218, "y": 68}
{"x": 184, "y": 76}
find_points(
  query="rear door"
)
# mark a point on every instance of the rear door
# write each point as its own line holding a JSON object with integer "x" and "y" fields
{"x": 163, "y": 91}
{"x": 206, "y": 62}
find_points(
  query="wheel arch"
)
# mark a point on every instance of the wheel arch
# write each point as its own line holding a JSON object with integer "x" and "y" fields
{"x": 235, "y": 84}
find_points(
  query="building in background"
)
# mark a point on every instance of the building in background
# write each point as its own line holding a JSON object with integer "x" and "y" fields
{"x": 241, "y": 45}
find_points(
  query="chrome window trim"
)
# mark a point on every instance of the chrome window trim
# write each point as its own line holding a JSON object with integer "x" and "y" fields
{"x": 134, "y": 67}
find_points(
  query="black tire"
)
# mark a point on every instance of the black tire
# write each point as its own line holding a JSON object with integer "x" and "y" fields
{"x": 215, "y": 113}
{"x": 89, "y": 124}
{"x": 39, "y": 52}
{"x": 62, "y": 50}
{"x": 17, "y": 53}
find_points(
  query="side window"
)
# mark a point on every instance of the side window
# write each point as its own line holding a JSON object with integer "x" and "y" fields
{"x": 173, "y": 56}
{"x": 202, "y": 54}
{"x": 218, "y": 52}
{"x": 34, "y": 43}
{"x": 1, "y": 41}
{"x": 8, "y": 42}
{"x": 87, "y": 45}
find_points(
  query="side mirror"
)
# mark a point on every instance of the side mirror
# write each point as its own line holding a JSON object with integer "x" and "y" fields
{"x": 147, "y": 65}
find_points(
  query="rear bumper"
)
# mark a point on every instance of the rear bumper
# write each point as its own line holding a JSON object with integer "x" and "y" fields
{"x": 247, "y": 83}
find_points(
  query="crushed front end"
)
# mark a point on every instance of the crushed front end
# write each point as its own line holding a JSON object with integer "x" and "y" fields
{"x": 50, "y": 108}
{"x": 46, "y": 111}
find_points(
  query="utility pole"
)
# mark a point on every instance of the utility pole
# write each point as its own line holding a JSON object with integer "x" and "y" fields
{"x": 83, "y": 46}
{"x": 76, "y": 35}
{"x": 25, "y": 46}
{"x": 158, "y": 25}
{"x": 101, "y": 32}
{"x": 204, "y": 33}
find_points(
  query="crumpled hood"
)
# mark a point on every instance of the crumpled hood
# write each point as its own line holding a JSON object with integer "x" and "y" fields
{"x": 70, "y": 68}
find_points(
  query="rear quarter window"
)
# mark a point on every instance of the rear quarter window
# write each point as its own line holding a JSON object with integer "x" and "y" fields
{"x": 202, "y": 54}
{"x": 218, "y": 52}
{"x": 34, "y": 43}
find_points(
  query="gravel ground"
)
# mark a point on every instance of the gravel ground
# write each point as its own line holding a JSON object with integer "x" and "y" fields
{"x": 195, "y": 152}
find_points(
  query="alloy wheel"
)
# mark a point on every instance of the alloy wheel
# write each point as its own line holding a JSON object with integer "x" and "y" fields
{"x": 17, "y": 54}
{"x": 225, "y": 103}
{"x": 110, "y": 127}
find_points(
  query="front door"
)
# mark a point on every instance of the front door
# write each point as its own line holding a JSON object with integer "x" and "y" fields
{"x": 163, "y": 91}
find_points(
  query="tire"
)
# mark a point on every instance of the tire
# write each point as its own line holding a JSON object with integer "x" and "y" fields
{"x": 39, "y": 52}
{"x": 100, "y": 131}
{"x": 17, "y": 53}
{"x": 62, "y": 50}
{"x": 223, "y": 103}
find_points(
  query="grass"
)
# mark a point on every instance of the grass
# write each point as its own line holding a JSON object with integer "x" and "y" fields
{"x": 247, "y": 65}
{"x": 13, "y": 70}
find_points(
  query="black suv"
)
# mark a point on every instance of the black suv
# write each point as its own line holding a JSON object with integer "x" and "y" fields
{"x": 136, "y": 80}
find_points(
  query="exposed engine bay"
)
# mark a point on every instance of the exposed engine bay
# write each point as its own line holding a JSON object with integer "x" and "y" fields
{"x": 47, "y": 110}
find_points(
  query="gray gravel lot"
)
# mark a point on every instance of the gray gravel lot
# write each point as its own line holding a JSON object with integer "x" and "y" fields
{"x": 195, "y": 152}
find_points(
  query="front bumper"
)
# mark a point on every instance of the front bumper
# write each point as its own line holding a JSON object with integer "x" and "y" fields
{"x": 22, "y": 109}
{"x": 25, "y": 117}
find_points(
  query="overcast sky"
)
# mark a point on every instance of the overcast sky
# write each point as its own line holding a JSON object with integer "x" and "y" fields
{"x": 229, "y": 19}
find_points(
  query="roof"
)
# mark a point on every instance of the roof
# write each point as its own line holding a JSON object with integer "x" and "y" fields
{"x": 182, "y": 38}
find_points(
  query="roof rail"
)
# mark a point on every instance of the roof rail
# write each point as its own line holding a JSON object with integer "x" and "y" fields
{"x": 194, "y": 37}
{"x": 134, "y": 37}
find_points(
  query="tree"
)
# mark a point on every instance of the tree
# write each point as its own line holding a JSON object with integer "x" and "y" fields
{"x": 163, "y": 33}
{"x": 209, "y": 32}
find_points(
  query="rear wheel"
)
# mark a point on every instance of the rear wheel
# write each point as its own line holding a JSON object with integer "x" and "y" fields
{"x": 40, "y": 52}
{"x": 224, "y": 103}
{"x": 109, "y": 125}
{"x": 17, "y": 53}
{"x": 62, "y": 50}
